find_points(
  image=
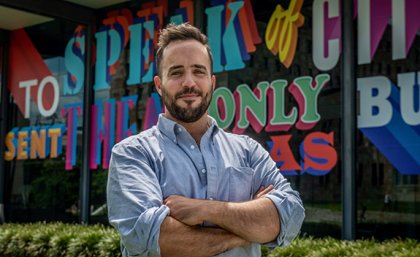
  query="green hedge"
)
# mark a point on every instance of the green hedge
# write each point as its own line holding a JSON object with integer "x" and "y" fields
{"x": 58, "y": 239}
{"x": 329, "y": 247}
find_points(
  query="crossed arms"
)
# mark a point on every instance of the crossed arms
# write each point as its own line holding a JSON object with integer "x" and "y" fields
{"x": 240, "y": 224}
{"x": 151, "y": 226}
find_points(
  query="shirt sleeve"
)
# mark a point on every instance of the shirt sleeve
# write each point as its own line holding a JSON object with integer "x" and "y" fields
{"x": 287, "y": 201}
{"x": 134, "y": 200}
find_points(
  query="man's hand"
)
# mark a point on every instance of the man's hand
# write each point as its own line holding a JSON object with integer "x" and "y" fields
{"x": 262, "y": 191}
{"x": 178, "y": 240}
{"x": 186, "y": 210}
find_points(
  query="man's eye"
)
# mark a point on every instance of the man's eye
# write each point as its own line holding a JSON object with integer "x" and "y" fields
{"x": 175, "y": 73}
{"x": 200, "y": 72}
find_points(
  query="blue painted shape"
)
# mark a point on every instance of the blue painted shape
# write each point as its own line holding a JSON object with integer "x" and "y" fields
{"x": 397, "y": 141}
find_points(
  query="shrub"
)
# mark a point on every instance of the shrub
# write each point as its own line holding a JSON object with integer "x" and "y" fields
{"x": 75, "y": 240}
{"x": 58, "y": 239}
{"x": 329, "y": 247}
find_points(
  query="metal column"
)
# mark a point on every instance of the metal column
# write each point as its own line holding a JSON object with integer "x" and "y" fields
{"x": 3, "y": 124}
{"x": 348, "y": 124}
{"x": 199, "y": 15}
{"x": 85, "y": 175}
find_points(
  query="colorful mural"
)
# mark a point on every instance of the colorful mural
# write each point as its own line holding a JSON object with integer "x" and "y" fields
{"x": 233, "y": 37}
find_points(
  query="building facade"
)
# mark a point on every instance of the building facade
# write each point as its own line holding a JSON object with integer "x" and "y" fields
{"x": 77, "y": 77}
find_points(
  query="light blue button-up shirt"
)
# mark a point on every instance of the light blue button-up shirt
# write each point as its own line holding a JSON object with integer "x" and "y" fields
{"x": 165, "y": 160}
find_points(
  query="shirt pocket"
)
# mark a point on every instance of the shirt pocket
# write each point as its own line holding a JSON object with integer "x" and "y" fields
{"x": 240, "y": 183}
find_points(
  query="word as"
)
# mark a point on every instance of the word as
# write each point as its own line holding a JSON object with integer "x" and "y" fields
{"x": 317, "y": 150}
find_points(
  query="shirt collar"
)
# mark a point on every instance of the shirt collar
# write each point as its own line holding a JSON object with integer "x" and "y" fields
{"x": 170, "y": 127}
{"x": 213, "y": 126}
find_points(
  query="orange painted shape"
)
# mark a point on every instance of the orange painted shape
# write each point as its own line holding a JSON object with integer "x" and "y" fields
{"x": 246, "y": 31}
{"x": 281, "y": 152}
{"x": 188, "y": 4}
{"x": 282, "y": 31}
{"x": 9, "y": 154}
{"x": 22, "y": 153}
{"x": 38, "y": 144}
{"x": 54, "y": 133}
{"x": 251, "y": 22}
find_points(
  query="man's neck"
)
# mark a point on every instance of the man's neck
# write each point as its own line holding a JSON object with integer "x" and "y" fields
{"x": 196, "y": 129}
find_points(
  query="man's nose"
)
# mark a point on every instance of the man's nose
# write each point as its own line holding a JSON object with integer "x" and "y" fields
{"x": 188, "y": 80}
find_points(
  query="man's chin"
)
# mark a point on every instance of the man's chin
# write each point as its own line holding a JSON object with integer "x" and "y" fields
{"x": 187, "y": 115}
{"x": 188, "y": 105}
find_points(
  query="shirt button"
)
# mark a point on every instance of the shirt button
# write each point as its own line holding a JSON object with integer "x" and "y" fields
{"x": 192, "y": 147}
{"x": 203, "y": 170}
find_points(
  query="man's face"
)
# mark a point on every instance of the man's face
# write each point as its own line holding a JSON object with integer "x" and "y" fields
{"x": 186, "y": 85}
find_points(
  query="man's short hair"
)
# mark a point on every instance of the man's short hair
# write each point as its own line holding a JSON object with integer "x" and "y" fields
{"x": 182, "y": 32}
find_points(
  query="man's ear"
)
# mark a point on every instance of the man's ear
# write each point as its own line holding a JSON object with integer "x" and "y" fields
{"x": 158, "y": 84}
{"x": 213, "y": 81}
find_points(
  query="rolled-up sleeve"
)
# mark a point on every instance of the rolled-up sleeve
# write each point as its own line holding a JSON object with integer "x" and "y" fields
{"x": 292, "y": 214}
{"x": 134, "y": 199}
{"x": 287, "y": 201}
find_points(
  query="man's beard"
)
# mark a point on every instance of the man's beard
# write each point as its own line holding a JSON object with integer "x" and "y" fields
{"x": 188, "y": 114}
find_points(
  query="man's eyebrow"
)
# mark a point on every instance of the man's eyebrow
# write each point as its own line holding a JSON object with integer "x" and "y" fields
{"x": 175, "y": 67}
{"x": 199, "y": 66}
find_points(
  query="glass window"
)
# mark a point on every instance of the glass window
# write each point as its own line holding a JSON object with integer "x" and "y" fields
{"x": 2, "y": 126}
{"x": 313, "y": 165}
{"x": 1, "y": 64}
{"x": 46, "y": 69}
{"x": 388, "y": 122}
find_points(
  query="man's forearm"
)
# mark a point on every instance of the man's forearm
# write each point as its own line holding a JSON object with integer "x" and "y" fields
{"x": 255, "y": 221}
{"x": 178, "y": 239}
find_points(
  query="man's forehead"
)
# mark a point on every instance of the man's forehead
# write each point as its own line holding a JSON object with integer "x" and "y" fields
{"x": 180, "y": 54}
{"x": 184, "y": 43}
{"x": 189, "y": 47}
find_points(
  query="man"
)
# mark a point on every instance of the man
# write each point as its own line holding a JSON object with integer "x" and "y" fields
{"x": 387, "y": 202}
{"x": 186, "y": 187}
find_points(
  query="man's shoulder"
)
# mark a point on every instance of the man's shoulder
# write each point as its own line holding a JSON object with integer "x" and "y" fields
{"x": 138, "y": 139}
{"x": 231, "y": 137}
